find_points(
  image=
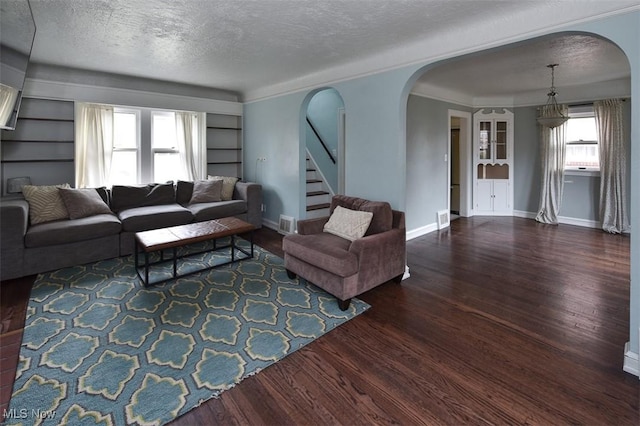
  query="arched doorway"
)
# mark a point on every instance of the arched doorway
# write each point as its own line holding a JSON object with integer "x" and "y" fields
{"x": 324, "y": 147}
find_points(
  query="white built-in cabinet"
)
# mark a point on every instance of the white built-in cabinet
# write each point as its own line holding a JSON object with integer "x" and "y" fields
{"x": 493, "y": 162}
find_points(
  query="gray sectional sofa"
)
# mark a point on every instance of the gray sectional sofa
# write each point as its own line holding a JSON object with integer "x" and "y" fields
{"x": 27, "y": 248}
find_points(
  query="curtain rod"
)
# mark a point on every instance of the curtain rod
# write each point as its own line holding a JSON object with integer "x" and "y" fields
{"x": 591, "y": 103}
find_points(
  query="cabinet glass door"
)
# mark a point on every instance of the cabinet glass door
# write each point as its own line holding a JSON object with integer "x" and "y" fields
{"x": 485, "y": 140}
{"x": 501, "y": 140}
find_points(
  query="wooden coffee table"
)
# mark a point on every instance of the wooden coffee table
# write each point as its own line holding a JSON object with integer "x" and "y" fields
{"x": 160, "y": 240}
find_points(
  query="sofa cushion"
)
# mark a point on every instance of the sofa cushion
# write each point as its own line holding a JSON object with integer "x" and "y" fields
{"x": 45, "y": 203}
{"x": 83, "y": 202}
{"x": 152, "y": 217}
{"x": 206, "y": 191}
{"x": 349, "y": 224}
{"x": 184, "y": 190}
{"x": 325, "y": 251}
{"x": 209, "y": 211}
{"x": 130, "y": 196}
{"x": 70, "y": 231}
{"x": 382, "y": 220}
{"x": 228, "y": 185}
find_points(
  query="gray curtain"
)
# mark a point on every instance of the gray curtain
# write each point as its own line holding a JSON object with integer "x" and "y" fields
{"x": 613, "y": 166}
{"x": 552, "y": 144}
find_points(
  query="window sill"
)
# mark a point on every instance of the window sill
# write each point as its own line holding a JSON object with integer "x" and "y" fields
{"x": 574, "y": 172}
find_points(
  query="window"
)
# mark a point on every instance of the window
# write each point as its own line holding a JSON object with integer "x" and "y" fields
{"x": 164, "y": 145}
{"x": 146, "y": 146}
{"x": 582, "y": 150}
{"x": 126, "y": 143}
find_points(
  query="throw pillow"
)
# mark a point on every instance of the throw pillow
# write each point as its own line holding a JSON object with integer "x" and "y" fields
{"x": 349, "y": 224}
{"x": 206, "y": 191}
{"x": 83, "y": 202}
{"x": 45, "y": 203}
{"x": 228, "y": 185}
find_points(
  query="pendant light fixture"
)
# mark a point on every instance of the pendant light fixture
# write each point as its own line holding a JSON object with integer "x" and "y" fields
{"x": 552, "y": 115}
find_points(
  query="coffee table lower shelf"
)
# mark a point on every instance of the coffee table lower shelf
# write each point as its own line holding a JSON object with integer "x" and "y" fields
{"x": 170, "y": 239}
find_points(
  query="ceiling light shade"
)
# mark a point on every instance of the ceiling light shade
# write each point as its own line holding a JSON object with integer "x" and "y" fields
{"x": 551, "y": 115}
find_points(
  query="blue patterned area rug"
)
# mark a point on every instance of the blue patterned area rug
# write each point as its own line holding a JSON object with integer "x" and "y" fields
{"x": 99, "y": 348}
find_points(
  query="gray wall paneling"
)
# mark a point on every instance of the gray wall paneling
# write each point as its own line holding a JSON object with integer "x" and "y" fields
{"x": 42, "y": 146}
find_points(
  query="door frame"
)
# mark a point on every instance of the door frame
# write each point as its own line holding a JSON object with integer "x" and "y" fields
{"x": 341, "y": 151}
{"x": 465, "y": 161}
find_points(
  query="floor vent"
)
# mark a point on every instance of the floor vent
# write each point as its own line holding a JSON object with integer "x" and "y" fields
{"x": 443, "y": 219}
{"x": 285, "y": 225}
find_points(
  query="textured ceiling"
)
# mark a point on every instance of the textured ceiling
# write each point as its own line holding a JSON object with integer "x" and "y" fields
{"x": 244, "y": 45}
{"x": 519, "y": 69}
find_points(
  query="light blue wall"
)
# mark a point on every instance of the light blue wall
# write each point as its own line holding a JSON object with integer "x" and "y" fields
{"x": 323, "y": 112}
{"x": 376, "y": 117}
{"x": 526, "y": 160}
{"x": 427, "y": 145}
{"x": 374, "y": 143}
{"x": 271, "y": 130}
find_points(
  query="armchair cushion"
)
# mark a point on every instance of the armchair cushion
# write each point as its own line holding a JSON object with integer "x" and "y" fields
{"x": 325, "y": 251}
{"x": 349, "y": 224}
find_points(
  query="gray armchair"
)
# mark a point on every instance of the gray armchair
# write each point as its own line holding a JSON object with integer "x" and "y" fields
{"x": 346, "y": 268}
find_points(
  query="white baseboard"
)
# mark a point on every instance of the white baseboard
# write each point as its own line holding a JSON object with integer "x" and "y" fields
{"x": 562, "y": 219}
{"x": 524, "y": 214}
{"x": 424, "y": 230}
{"x": 579, "y": 222}
{"x": 631, "y": 364}
{"x": 270, "y": 224}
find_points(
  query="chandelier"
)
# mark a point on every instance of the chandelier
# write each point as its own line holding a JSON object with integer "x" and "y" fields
{"x": 551, "y": 115}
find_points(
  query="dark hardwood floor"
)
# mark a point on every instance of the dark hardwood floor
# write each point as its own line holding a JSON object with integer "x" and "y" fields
{"x": 503, "y": 321}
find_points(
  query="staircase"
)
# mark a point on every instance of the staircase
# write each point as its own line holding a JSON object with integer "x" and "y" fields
{"x": 318, "y": 192}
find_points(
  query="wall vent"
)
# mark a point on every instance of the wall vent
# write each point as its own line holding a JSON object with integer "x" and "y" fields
{"x": 286, "y": 225}
{"x": 443, "y": 219}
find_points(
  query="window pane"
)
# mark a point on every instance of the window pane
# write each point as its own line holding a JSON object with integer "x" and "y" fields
{"x": 582, "y": 155}
{"x": 581, "y": 129}
{"x": 166, "y": 167}
{"x": 124, "y": 168}
{"x": 164, "y": 130}
{"x": 125, "y": 134}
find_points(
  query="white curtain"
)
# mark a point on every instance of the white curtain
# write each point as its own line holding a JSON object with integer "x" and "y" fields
{"x": 94, "y": 144}
{"x": 8, "y": 97}
{"x": 613, "y": 166}
{"x": 553, "y": 144}
{"x": 191, "y": 144}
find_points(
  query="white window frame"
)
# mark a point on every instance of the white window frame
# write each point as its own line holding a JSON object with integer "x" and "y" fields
{"x": 154, "y": 151}
{"x": 138, "y": 148}
{"x": 582, "y": 111}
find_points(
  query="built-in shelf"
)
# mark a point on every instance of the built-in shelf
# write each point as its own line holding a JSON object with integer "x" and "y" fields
{"x": 66, "y": 120}
{"x": 62, "y": 160}
{"x": 41, "y": 147}
{"x": 34, "y": 141}
{"x": 224, "y": 145}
